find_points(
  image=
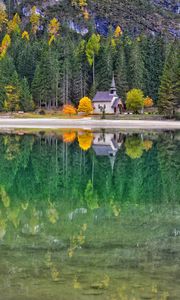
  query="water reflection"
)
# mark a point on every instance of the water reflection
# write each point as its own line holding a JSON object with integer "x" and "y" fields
{"x": 89, "y": 214}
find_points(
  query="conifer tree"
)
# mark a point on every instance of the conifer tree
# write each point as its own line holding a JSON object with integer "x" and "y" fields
{"x": 136, "y": 68}
{"x": 26, "y": 101}
{"x": 169, "y": 92}
{"x": 121, "y": 73}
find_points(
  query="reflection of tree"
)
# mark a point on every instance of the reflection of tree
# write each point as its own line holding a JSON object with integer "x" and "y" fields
{"x": 85, "y": 139}
{"x": 134, "y": 147}
{"x": 169, "y": 166}
{"x": 12, "y": 146}
{"x": 147, "y": 144}
{"x": 69, "y": 137}
{"x": 91, "y": 196}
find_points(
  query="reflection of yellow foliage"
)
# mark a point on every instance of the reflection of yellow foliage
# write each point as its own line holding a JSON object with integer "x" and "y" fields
{"x": 2, "y": 229}
{"x": 91, "y": 196}
{"x": 25, "y": 205}
{"x": 85, "y": 140}
{"x": 147, "y": 145}
{"x": 134, "y": 147}
{"x": 52, "y": 215}
{"x": 106, "y": 281}
{"x": 69, "y": 137}
{"x": 71, "y": 252}
{"x": 77, "y": 241}
{"x": 84, "y": 227}
{"x": 13, "y": 216}
{"x": 76, "y": 283}
{"x": 4, "y": 197}
{"x": 116, "y": 210}
{"x": 55, "y": 274}
{"x": 103, "y": 284}
{"x": 48, "y": 260}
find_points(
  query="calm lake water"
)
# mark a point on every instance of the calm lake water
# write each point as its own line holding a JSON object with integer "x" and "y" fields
{"x": 90, "y": 215}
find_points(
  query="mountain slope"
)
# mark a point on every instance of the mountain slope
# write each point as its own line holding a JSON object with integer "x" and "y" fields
{"x": 135, "y": 16}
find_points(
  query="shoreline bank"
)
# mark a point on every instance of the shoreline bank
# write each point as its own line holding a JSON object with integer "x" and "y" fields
{"x": 87, "y": 123}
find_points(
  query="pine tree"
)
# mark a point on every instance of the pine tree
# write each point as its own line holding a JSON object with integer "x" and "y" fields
{"x": 12, "y": 101}
{"x": 104, "y": 65}
{"x": 7, "y": 69}
{"x": 44, "y": 85}
{"x": 136, "y": 68}
{"x": 121, "y": 73}
{"x": 26, "y": 101}
{"x": 169, "y": 92}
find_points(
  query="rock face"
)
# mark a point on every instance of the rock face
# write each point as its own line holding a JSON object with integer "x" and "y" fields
{"x": 135, "y": 16}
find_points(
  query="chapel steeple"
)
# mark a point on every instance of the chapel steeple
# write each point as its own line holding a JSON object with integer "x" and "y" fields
{"x": 113, "y": 87}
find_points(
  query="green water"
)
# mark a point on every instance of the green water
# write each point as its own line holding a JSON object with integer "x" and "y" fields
{"x": 90, "y": 215}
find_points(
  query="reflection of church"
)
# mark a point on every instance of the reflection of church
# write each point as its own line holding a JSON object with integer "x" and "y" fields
{"x": 107, "y": 144}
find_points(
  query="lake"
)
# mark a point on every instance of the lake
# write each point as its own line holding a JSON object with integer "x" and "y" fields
{"x": 89, "y": 215}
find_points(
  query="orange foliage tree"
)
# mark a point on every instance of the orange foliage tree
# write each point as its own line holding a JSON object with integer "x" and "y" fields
{"x": 148, "y": 102}
{"x": 69, "y": 137}
{"x": 85, "y": 139}
{"x": 69, "y": 109}
{"x": 85, "y": 105}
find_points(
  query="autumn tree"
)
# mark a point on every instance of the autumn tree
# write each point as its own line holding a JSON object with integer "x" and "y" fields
{"x": 92, "y": 49}
{"x": 85, "y": 139}
{"x": 3, "y": 15}
{"x": 118, "y": 32}
{"x": 148, "y": 102}
{"x": 135, "y": 100}
{"x": 53, "y": 29}
{"x": 69, "y": 137}
{"x": 69, "y": 109}
{"x": 134, "y": 147}
{"x": 14, "y": 24}
{"x": 25, "y": 36}
{"x": 6, "y": 42}
{"x": 34, "y": 19}
{"x": 85, "y": 105}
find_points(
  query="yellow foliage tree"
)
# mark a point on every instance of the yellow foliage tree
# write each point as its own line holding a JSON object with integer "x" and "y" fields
{"x": 69, "y": 109}
{"x": 86, "y": 14}
{"x": 118, "y": 32}
{"x": 82, "y": 3}
{"x": 12, "y": 101}
{"x": 53, "y": 29}
{"x": 25, "y": 35}
{"x": 14, "y": 24}
{"x": 148, "y": 102}
{"x": 85, "y": 140}
{"x": 6, "y": 42}
{"x": 85, "y": 105}
{"x": 3, "y": 15}
{"x": 34, "y": 19}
